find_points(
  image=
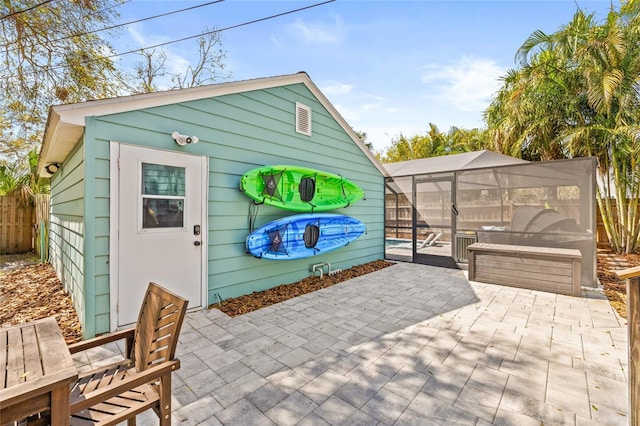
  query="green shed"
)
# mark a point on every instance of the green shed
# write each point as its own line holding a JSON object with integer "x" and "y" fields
{"x": 104, "y": 158}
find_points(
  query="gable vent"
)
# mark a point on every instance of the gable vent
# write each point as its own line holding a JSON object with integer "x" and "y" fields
{"x": 303, "y": 119}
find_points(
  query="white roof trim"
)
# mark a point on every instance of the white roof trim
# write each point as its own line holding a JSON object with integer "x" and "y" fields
{"x": 65, "y": 124}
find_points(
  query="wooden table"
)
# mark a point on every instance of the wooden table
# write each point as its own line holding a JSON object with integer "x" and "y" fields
{"x": 37, "y": 372}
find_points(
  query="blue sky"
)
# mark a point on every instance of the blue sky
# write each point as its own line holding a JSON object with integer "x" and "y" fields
{"x": 389, "y": 67}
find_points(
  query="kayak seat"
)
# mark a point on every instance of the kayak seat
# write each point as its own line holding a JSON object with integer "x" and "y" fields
{"x": 307, "y": 188}
{"x": 311, "y": 235}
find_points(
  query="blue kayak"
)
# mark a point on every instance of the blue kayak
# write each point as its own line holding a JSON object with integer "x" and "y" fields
{"x": 303, "y": 235}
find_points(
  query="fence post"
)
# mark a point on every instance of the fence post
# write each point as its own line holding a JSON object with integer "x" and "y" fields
{"x": 632, "y": 275}
{"x": 41, "y": 202}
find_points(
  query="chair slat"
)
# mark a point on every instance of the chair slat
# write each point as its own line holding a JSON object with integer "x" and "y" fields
{"x": 168, "y": 320}
{"x": 155, "y": 356}
{"x": 91, "y": 415}
{"x": 80, "y": 421}
{"x": 139, "y": 395}
{"x": 109, "y": 409}
{"x": 155, "y": 339}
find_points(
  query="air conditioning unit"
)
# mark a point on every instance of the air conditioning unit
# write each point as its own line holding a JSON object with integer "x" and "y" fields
{"x": 462, "y": 242}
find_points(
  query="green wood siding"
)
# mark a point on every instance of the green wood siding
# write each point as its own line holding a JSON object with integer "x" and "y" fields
{"x": 97, "y": 242}
{"x": 67, "y": 228}
{"x": 237, "y": 132}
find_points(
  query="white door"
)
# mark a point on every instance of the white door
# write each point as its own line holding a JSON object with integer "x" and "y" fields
{"x": 160, "y": 227}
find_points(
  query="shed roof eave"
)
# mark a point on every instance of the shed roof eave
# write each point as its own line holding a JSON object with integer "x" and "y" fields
{"x": 77, "y": 112}
{"x": 66, "y": 122}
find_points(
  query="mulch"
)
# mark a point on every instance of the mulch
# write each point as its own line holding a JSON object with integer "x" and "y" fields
{"x": 30, "y": 290}
{"x": 614, "y": 287}
{"x": 256, "y": 300}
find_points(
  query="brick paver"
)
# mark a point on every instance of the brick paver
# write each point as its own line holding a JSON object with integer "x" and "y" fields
{"x": 410, "y": 344}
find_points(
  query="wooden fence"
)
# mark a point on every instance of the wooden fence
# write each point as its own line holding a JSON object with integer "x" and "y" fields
{"x": 16, "y": 230}
{"x": 601, "y": 233}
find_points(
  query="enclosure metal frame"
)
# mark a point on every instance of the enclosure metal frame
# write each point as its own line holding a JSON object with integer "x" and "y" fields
{"x": 587, "y": 212}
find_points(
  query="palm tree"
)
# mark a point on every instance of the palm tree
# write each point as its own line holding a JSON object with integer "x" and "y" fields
{"x": 575, "y": 94}
{"x": 543, "y": 99}
{"x": 22, "y": 182}
{"x": 465, "y": 140}
{"x": 610, "y": 61}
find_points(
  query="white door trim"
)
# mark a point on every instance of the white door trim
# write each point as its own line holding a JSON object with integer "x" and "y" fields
{"x": 114, "y": 205}
{"x": 204, "y": 253}
{"x": 114, "y": 253}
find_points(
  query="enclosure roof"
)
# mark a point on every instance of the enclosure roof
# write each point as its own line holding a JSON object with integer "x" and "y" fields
{"x": 451, "y": 163}
{"x": 66, "y": 123}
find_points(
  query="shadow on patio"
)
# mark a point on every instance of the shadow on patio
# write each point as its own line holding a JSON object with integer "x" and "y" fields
{"x": 409, "y": 344}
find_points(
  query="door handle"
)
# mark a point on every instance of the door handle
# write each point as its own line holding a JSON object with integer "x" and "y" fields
{"x": 453, "y": 209}
{"x": 197, "y": 243}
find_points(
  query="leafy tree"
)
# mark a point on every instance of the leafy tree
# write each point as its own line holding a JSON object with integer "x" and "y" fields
{"x": 576, "y": 94}
{"x": 610, "y": 61}
{"x": 49, "y": 55}
{"x": 363, "y": 137}
{"x": 150, "y": 72}
{"x": 146, "y": 72}
{"x": 210, "y": 66}
{"x": 465, "y": 140}
{"x": 434, "y": 143}
{"x": 533, "y": 109}
{"x": 53, "y": 53}
{"x": 20, "y": 182}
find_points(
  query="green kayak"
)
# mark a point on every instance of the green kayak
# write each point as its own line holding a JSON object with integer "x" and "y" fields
{"x": 299, "y": 189}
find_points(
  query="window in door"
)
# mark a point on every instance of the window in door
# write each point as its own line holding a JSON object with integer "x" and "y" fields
{"x": 162, "y": 196}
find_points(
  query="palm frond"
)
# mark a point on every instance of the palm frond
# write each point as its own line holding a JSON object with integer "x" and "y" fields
{"x": 537, "y": 39}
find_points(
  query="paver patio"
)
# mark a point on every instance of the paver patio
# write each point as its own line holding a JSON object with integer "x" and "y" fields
{"x": 409, "y": 344}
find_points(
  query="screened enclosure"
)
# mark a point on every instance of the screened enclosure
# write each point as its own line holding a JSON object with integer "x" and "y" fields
{"x": 433, "y": 215}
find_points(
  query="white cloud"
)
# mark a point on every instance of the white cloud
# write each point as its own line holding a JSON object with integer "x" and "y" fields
{"x": 370, "y": 106}
{"x": 317, "y": 33}
{"x": 382, "y": 136}
{"x": 372, "y": 118}
{"x": 467, "y": 85}
{"x": 349, "y": 112}
{"x": 136, "y": 35}
{"x": 366, "y": 112}
{"x": 177, "y": 63}
{"x": 276, "y": 41}
{"x": 355, "y": 107}
{"x": 335, "y": 88}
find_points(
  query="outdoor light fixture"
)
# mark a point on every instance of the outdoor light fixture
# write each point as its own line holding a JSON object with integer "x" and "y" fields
{"x": 183, "y": 140}
{"x": 52, "y": 168}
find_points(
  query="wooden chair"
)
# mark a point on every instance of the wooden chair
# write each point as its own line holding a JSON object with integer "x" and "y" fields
{"x": 120, "y": 391}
